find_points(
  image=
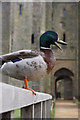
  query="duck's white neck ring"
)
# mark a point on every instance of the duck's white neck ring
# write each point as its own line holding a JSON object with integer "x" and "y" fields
{"x": 45, "y": 48}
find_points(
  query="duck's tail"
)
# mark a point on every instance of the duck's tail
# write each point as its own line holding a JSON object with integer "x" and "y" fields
{"x": 1, "y": 62}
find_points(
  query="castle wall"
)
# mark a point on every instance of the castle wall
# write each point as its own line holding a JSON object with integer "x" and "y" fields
{"x": 65, "y": 17}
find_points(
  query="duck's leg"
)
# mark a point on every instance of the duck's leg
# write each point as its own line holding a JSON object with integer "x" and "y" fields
{"x": 26, "y": 86}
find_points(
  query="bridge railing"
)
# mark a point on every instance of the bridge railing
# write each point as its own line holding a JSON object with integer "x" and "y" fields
{"x": 31, "y": 106}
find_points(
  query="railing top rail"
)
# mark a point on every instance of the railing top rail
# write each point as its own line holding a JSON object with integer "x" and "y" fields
{"x": 13, "y": 97}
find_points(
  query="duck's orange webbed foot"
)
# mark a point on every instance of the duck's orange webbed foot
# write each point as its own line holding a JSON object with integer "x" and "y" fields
{"x": 26, "y": 86}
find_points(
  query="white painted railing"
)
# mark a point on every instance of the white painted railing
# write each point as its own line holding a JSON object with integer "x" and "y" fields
{"x": 12, "y": 98}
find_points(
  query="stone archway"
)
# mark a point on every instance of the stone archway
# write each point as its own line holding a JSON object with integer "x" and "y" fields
{"x": 64, "y": 84}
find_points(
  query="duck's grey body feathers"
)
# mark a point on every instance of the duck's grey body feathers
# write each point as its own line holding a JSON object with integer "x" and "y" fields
{"x": 20, "y": 54}
{"x": 32, "y": 65}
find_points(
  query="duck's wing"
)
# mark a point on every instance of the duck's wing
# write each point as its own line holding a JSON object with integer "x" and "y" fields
{"x": 22, "y": 54}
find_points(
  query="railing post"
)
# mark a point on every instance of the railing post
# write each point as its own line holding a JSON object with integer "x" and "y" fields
{"x": 12, "y": 114}
{"x": 6, "y": 115}
{"x": 27, "y": 112}
{"x": 37, "y": 110}
{"x": 41, "y": 109}
{"x": 48, "y": 108}
{"x": 0, "y": 116}
{"x": 44, "y": 110}
{"x": 33, "y": 111}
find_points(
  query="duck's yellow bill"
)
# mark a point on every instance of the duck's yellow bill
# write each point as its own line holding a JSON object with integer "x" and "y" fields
{"x": 61, "y": 42}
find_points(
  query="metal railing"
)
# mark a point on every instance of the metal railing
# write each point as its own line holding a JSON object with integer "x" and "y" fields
{"x": 31, "y": 106}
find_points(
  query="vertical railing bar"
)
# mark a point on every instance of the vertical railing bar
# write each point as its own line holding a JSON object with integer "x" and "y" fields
{"x": 0, "y": 116}
{"x": 12, "y": 114}
{"x": 41, "y": 108}
{"x": 33, "y": 111}
{"x": 45, "y": 109}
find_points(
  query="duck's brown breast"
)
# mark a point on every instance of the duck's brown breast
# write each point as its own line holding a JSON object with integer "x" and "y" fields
{"x": 49, "y": 58}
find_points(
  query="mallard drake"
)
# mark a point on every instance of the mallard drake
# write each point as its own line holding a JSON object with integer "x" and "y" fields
{"x": 32, "y": 64}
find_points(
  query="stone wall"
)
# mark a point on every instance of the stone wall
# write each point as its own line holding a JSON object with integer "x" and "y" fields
{"x": 79, "y": 53}
{"x": 5, "y": 32}
{"x": 65, "y": 18}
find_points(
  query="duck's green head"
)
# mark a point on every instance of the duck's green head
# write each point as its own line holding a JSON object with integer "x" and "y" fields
{"x": 50, "y": 38}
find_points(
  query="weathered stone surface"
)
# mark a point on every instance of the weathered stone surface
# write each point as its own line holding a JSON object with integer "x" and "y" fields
{"x": 12, "y": 97}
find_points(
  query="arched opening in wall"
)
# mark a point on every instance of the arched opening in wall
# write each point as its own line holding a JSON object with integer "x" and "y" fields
{"x": 64, "y": 84}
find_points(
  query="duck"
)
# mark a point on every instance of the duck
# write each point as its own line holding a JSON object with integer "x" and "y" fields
{"x": 29, "y": 65}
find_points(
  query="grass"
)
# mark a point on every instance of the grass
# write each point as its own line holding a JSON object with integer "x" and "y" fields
{"x": 53, "y": 112}
{"x": 17, "y": 114}
{"x": 77, "y": 102}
